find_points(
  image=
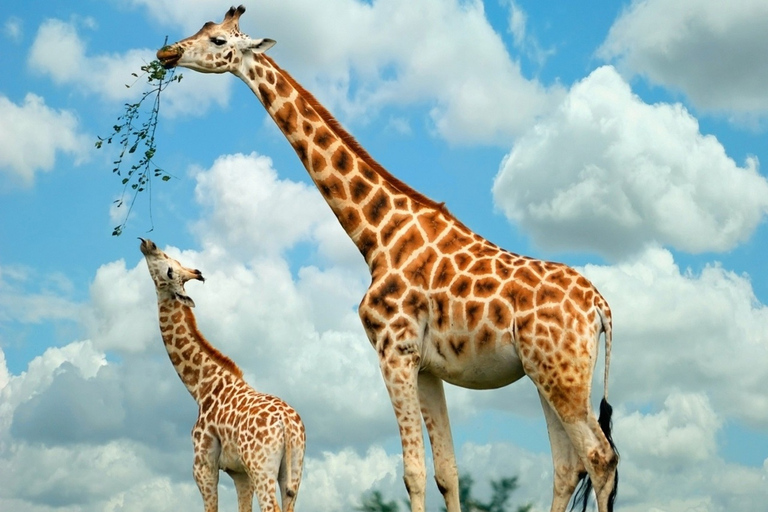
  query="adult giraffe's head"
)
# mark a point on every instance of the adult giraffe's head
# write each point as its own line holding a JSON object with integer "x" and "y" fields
{"x": 168, "y": 274}
{"x": 216, "y": 48}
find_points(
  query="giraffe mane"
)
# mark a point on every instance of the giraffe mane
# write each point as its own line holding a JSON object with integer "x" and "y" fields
{"x": 359, "y": 150}
{"x": 224, "y": 361}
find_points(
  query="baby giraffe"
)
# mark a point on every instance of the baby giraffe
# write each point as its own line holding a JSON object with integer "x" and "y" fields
{"x": 256, "y": 438}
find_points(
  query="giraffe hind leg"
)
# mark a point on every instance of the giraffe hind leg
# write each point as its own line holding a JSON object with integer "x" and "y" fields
{"x": 605, "y": 500}
{"x": 591, "y": 442}
{"x": 567, "y": 466}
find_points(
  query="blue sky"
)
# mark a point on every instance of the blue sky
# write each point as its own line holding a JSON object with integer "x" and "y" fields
{"x": 626, "y": 139}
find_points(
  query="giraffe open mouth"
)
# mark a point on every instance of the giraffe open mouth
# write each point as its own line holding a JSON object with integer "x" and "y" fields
{"x": 168, "y": 56}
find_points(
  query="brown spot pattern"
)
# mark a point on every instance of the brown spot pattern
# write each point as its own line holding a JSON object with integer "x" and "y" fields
{"x": 359, "y": 189}
{"x": 286, "y": 118}
{"x": 266, "y": 95}
{"x": 341, "y": 160}
{"x": 377, "y": 207}
{"x": 461, "y": 286}
{"x": 404, "y": 246}
{"x": 349, "y": 219}
{"x": 443, "y": 274}
{"x": 332, "y": 187}
{"x": 324, "y": 138}
{"x": 418, "y": 271}
{"x": 433, "y": 223}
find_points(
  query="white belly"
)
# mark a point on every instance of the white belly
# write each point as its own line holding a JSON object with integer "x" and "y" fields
{"x": 489, "y": 369}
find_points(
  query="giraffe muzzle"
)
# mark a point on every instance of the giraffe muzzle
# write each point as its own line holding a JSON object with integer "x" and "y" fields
{"x": 168, "y": 56}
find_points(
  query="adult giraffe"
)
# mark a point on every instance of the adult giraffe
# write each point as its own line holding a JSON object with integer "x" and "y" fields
{"x": 444, "y": 304}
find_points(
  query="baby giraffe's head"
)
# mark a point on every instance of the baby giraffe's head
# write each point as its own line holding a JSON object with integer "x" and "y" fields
{"x": 168, "y": 274}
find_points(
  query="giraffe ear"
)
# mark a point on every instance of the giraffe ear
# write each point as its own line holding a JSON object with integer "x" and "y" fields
{"x": 185, "y": 299}
{"x": 259, "y": 45}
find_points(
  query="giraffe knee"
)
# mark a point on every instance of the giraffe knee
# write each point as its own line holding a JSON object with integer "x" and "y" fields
{"x": 604, "y": 466}
{"x": 446, "y": 484}
{"x": 414, "y": 482}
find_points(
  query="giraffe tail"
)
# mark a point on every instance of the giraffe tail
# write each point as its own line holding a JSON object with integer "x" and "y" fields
{"x": 288, "y": 490}
{"x": 607, "y": 327}
{"x": 604, "y": 420}
{"x": 606, "y": 411}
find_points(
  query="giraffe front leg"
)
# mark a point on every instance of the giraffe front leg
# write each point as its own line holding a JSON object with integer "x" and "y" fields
{"x": 205, "y": 468}
{"x": 244, "y": 488}
{"x": 400, "y": 371}
{"x": 435, "y": 413}
{"x": 206, "y": 477}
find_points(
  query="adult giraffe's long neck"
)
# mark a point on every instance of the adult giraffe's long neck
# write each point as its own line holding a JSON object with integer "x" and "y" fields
{"x": 197, "y": 362}
{"x": 370, "y": 203}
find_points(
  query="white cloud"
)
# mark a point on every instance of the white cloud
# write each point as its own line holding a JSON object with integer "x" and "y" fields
{"x": 107, "y": 75}
{"x": 49, "y": 302}
{"x": 123, "y": 302}
{"x": 681, "y": 435}
{"x": 680, "y": 331}
{"x": 13, "y": 29}
{"x": 475, "y": 91}
{"x": 253, "y": 213}
{"x": 669, "y": 461}
{"x": 31, "y": 136}
{"x": 40, "y": 373}
{"x": 5, "y": 376}
{"x": 252, "y": 210}
{"x": 522, "y": 39}
{"x": 712, "y": 51}
{"x": 293, "y": 331}
{"x": 610, "y": 173}
{"x": 336, "y": 481}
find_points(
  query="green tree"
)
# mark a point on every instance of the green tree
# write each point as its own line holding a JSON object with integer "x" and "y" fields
{"x": 373, "y": 501}
{"x": 502, "y": 489}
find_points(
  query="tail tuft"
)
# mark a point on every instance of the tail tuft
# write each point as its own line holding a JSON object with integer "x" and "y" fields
{"x": 605, "y": 422}
{"x": 582, "y": 492}
{"x": 585, "y": 484}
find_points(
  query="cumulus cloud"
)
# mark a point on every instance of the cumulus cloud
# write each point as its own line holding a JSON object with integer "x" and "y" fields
{"x": 339, "y": 479}
{"x": 13, "y": 29}
{"x": 475, "y": 91}
{"x": 123, "y": 302}
{"x": 670, "y": 461}
{"x": 32, "y": 134}
{"x": 609, "y": 173}
{"x": 680, "y": 331}
{"x": 250, "y": 208}
{"x": 107, "y": 75}
{"x": 680, "y": 435}
{"x": 41, "y": 372}
{"x": 49, "y": 302}
{"x": 293, "y": 330}
{"x": 711, "y": 51}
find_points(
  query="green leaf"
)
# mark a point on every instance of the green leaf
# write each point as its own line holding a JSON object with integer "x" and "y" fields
{"x": 137, "y": 125}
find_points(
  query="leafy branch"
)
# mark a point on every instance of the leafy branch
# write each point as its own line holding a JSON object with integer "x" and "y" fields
{"x": 135, "y": 132}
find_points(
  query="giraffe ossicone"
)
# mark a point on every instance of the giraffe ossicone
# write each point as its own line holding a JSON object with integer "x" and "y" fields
{"x": 256, "y": 438}
{"x": 444, "y": 304}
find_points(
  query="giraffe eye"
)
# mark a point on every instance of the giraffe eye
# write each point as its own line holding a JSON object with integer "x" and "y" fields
{"x": 218, "y": 41}
{"x": 170, "y": 273}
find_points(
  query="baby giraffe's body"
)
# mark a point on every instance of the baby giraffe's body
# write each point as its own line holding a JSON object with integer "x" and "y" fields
{"x": 256, "y": 438}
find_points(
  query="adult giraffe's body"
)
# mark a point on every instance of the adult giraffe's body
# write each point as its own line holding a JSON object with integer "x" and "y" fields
{"x": 444, "y": 304}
